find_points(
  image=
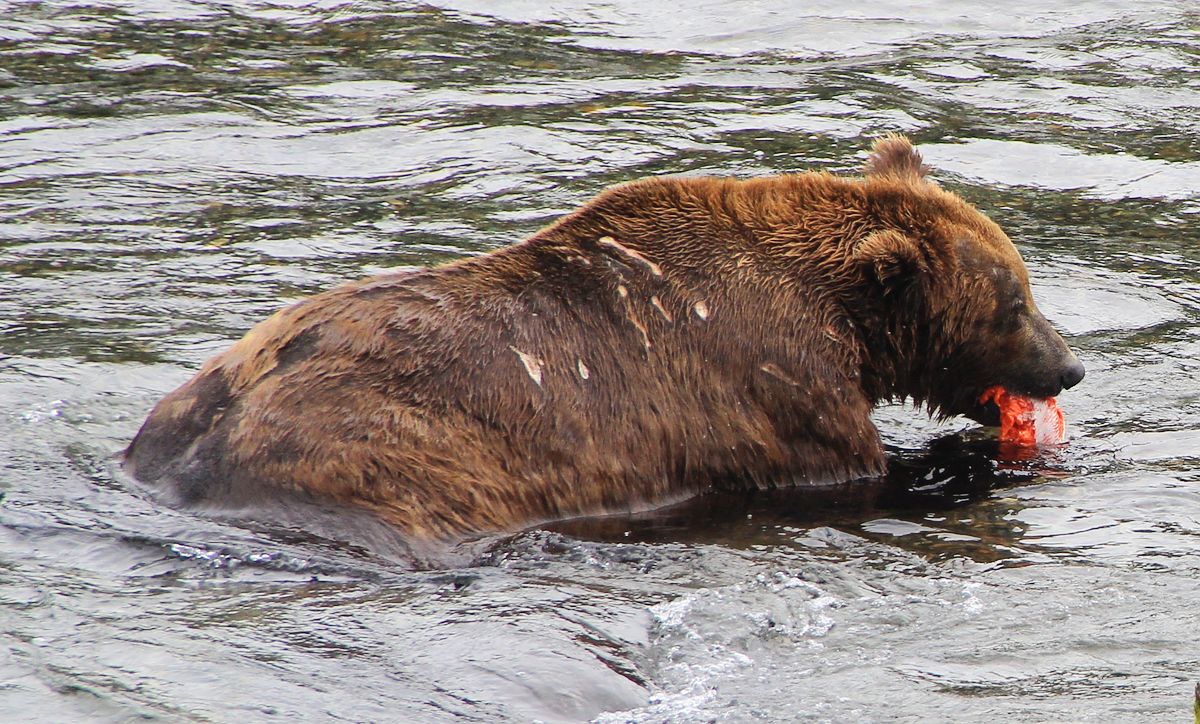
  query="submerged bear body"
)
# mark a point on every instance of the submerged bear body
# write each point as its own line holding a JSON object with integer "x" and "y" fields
{"x": 671, "y": 336}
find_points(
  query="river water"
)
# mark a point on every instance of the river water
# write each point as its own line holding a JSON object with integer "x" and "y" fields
{"x": 173, "y": 171}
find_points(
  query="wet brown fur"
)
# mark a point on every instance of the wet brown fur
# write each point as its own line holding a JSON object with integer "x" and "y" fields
{"x": 670, "y": 336}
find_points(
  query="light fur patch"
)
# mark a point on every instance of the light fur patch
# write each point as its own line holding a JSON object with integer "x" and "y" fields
{"x": 832, "y": 334}
{"x": 773, "y": 369}
{"x": 533, "y": 365}
{"x": 661, "y": 309}
{"x": 608, "y": 241}
{"x": 583, "y": 370}
{"x": 701, "y": 309}
{"x": 641, "y": 328}
{"x": 178, "y": 408}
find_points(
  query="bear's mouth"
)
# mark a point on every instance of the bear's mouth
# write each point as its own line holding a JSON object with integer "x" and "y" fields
{"x": 985, "y": 413}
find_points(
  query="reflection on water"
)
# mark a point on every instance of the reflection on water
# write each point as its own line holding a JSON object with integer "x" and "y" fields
{"x": 173, "y": 171}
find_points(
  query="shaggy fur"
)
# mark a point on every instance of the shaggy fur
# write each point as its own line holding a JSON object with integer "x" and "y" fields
{"x": 672, "y": 335}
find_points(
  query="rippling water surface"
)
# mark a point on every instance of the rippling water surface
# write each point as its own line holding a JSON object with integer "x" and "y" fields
{"x": 173, "y": 171}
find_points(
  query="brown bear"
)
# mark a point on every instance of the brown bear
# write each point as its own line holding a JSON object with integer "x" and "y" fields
{"x": 672, "y": 335}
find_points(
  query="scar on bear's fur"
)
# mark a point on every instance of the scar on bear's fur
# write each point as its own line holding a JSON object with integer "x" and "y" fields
{"x": 671, "y": 336}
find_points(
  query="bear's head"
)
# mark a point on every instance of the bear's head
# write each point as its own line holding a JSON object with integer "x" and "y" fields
{"x": 953, "y": 296}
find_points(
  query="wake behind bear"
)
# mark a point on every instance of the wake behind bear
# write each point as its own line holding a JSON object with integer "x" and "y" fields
{"x": 673, "y": 335}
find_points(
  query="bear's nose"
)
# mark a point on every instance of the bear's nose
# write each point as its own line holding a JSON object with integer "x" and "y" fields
{"x": 1072, "y": 375}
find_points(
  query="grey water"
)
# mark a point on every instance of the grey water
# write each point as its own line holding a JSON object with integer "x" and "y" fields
{"x": 173, "y": 171}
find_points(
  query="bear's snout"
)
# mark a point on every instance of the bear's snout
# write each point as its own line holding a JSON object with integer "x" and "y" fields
{"x": 1064, "y": 370}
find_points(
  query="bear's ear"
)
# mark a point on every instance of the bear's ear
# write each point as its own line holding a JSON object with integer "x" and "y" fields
{"x": 894, "y": 156}
{"x": 889, "y": 257}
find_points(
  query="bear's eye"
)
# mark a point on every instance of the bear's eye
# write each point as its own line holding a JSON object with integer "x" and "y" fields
{"x": 1009, "y": 314}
